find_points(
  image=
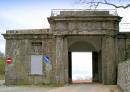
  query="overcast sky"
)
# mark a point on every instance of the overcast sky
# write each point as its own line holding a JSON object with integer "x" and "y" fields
{"x": 81, "y": 67}
{"x": 32, "y": 14}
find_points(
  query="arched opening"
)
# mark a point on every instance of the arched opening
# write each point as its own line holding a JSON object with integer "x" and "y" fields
{"x": 85, "y": 67}
{"x": 82, "y": 67}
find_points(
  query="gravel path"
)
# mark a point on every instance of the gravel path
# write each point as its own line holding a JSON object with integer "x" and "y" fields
{"x": 87, "y": 88}
{"x": 67, "y": 88}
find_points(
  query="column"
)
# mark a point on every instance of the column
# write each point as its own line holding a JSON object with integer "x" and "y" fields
{"x": 65, "y": 58}
{"x": 59, "y": 60}
{"x": 109, "y": 72}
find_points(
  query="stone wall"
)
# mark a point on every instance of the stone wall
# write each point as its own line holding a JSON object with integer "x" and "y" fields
{"x": 20, "y": 50}
{"x": 124, "y": 75}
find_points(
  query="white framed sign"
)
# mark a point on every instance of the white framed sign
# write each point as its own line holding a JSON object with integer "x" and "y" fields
{"x": 36, "y": 64}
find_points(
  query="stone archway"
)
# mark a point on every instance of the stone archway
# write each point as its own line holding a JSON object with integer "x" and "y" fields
{"x": 104, "y": 51}
{"x": 86, "y": 45}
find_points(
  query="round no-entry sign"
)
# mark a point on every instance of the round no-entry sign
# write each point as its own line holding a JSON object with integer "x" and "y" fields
{"x": 9, "y": 60}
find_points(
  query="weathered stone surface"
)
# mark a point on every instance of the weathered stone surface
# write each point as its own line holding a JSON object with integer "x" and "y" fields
{"x": 124, "y": 75}
{"x": 21, "y": 51}
{"x": 121, "y": 49}
{"x": 109, "y": 60}
{"x": 83, "y": 13}
{"x": 97, "y": 32}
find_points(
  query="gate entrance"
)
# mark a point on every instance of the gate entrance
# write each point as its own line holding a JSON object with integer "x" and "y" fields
{"x": 81, "y": 67}
{"x": 88, "y": 44}
{"x": 84, "y": 67}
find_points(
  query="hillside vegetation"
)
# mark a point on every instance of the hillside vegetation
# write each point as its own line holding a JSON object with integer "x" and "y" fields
{"x": 2, "y": 69}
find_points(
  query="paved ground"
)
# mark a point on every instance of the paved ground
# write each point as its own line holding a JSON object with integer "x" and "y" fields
{"x": 67, "y": 88}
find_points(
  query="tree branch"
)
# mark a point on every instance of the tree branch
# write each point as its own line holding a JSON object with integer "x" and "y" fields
{"x": 96, "y": 4}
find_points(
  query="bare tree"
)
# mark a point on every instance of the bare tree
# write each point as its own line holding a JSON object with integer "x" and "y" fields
{"x": 115, "y": 3}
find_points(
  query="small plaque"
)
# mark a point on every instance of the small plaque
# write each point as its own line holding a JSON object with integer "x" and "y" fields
{"x": 46, "y": 59}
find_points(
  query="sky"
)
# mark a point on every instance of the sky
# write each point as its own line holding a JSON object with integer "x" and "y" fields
{"x": 32, "y": 14}
{"x": 27, "y": 14}
{"x": 81, "y": 67}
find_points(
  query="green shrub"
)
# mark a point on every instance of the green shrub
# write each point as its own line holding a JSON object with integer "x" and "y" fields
{"x": 2, "y": 68}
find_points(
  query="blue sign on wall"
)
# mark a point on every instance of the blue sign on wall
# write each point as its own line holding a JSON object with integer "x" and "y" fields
{"x": 46, "y": 59}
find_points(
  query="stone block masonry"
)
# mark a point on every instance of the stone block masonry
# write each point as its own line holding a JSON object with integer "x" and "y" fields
{"x": 95, "y": 31}
{"x": 124, "y": 75}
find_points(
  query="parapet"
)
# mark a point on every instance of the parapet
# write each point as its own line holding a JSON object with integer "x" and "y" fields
{"x": 80, "y": 12}
{"x": 83, "y": 13}
{"x": 28, "y": 31}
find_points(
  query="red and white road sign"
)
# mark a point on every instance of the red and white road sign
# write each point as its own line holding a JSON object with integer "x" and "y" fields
{"x": 9, "y": 60}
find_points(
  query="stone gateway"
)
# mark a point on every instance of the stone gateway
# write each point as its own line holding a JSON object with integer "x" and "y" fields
{"x": 43, "y": 56}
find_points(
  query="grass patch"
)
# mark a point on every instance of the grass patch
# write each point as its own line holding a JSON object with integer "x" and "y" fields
{"x": 2, "y": 69}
